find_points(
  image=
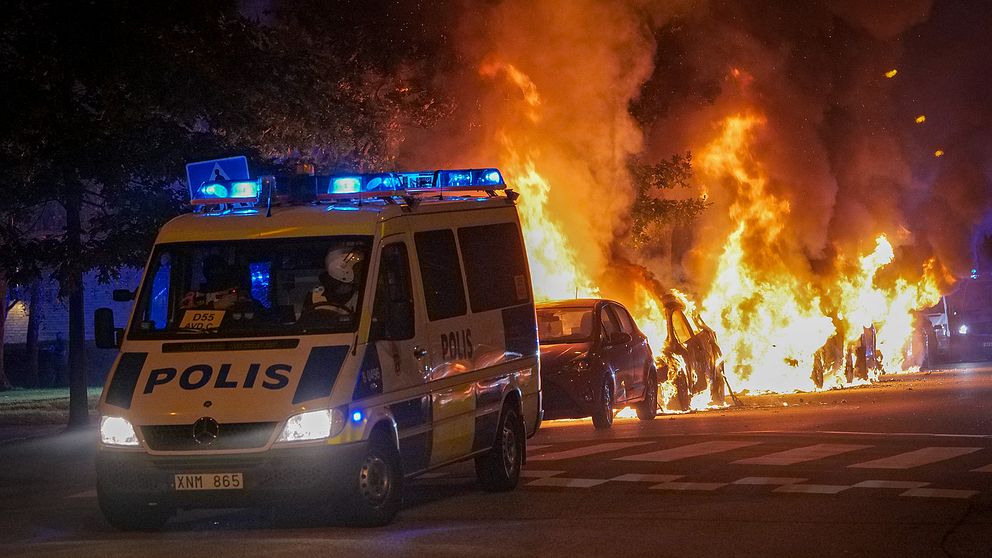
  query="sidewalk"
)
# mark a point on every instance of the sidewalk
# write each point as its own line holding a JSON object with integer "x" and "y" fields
{"x": 10, "y": 433}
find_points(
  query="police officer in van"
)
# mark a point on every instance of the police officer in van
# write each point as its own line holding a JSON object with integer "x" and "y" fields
{"x": 334, "y": 300}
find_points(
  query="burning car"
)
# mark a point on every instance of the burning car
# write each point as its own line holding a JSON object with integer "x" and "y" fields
{"x": 691, "y": 360}
{"x": 594, "y": 359}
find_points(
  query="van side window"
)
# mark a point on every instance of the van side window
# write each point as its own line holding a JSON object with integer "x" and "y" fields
{"x": 392, "y": 314}
{"x": 495, "y": 266}
{"x": 441, "y": 274}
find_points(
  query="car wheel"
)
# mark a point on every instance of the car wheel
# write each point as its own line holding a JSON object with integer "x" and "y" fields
{"x": 376, "y": 485}
{"x": 718, "y": 385}
{"x": 129, "y": 515}
{"x": 682, "y": 390}
{"x": 648, "y": 409}
{"x": 602, "y": 417}
{"x": 499, "y": 469}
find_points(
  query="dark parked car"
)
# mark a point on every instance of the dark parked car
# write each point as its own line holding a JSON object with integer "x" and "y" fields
{"x": 594, "y": 360}
{"x": 692, "y": 358}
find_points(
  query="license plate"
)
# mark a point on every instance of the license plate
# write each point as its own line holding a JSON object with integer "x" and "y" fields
{"x": 210, "y": 481}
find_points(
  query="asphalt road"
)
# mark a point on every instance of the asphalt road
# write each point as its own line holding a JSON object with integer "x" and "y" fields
{"x": 901, "y": 468}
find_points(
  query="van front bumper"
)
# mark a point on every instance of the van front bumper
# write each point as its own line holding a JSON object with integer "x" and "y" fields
{"x": 302, "y": 475}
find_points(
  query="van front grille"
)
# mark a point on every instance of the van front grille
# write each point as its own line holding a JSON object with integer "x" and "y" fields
{"x": 230, "y": 436}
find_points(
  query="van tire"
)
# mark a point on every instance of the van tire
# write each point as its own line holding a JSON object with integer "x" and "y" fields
{"x": 131, "y": 516}
{"x": 376, "y": 485}
{"x": 648, "y": 409}
{"x": 498, "y": 470}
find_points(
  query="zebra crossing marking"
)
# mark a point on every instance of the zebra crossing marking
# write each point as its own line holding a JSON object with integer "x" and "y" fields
{"x": 803, "y": 454}
{"x": 939, "y": 493}
{"x": 637, "y": 477}
{"x": 682, "y": 486}
{"x": 813, "y": 488}
{"x": 586, "y": 450}
{"x": 566, "y": 482}
{"x": 916, "y": 458}
{"x": 688, "y": 451}
{"x": 769, "y": 480}
{"x": 889, "y": 484}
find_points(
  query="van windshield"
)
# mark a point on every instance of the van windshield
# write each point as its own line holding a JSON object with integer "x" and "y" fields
{"x": 253, "y": 288}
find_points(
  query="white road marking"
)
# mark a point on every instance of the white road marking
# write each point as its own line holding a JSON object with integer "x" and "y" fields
{"x": 985, "y": 469}
{"x": 799, "y": 455}
{"x": 813, "y": 488}
{"x": 916, "y": 458}
{"x": 939, "y": 493}
{"x": 538, "y": 473}
{"x": 637, "y": 477}
{"x": 708, "y": 486}
{"x": 769, "y": 480}
{"x": 685, "y": 452}
{"x": 890, "y": 484}
{"x": 846, "y": 433}
{"x": 84, "y": 494}
{"x": 567, "y": 483}
{"x": 586, "y": 450}
{"x": 532, "y": 447}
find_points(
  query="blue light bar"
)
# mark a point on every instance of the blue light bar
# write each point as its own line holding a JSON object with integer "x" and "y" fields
{"x": 356, "y": 186}
{"x": 227, "y": 191}
{"x": 345, "y": 185}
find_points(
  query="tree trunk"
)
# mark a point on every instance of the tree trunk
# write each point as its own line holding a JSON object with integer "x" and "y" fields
{"x": 73, "y": 287}
{"x": 4, "y": 383}
{"x": 34, "y": 324}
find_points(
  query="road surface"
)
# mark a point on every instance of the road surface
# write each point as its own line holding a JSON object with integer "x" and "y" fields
{"x": 901, "y": 468}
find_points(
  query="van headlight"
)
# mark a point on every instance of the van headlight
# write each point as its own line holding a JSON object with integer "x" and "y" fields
{"x": 312, "y": 425}
{"x": 117, "y": 431}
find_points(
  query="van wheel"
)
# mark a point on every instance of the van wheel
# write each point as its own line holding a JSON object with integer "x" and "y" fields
{"x": 648, "y": 409}
{"x": 682, "y": 390}
{"x": 602, "y": 417}
{"x": 131, "y": 516}
{"x": 498, "y": 470}
{"x": 376, "y": 485}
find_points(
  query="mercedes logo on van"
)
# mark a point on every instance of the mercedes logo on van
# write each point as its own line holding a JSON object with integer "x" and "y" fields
{"x": 205, "y": 431}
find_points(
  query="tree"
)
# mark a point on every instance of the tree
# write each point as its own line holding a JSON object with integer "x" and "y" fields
{"x": 107, "y": 100}
{"x": 650, "y": 210}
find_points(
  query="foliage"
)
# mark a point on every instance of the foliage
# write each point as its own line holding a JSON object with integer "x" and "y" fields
{"x": 650, "y": 210}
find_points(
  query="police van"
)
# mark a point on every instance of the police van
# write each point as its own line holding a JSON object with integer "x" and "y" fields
{"x": 312, "y": 354}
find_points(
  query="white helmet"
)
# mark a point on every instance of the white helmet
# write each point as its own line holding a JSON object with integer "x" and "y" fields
{"x": 340, "y": 264}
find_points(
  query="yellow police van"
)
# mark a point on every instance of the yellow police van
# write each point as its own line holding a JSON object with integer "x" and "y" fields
{"x": 310, "y": 352}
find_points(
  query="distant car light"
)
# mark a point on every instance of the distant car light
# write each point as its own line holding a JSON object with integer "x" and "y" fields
{"x": 117, "y": 431}
{"x": 963, "y": 330}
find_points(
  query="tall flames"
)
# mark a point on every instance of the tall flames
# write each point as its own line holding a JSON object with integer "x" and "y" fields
{"x": 773, "y": 315}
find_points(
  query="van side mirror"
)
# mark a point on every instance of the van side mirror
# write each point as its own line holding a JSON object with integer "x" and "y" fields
{"x": 105, "y": 334}
{"x": 123, "y": 295}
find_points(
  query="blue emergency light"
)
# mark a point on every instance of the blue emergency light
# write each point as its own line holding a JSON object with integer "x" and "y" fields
{"x": 227, "y": 191}
{"x": 357, "y": 186}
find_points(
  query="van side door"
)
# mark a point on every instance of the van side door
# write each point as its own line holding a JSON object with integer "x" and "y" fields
{"x": 449, "y": 344}
{"x": 398, "y": 342}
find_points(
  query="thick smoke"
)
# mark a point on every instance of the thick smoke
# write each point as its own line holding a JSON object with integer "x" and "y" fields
{"x": 555, "y": 82}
